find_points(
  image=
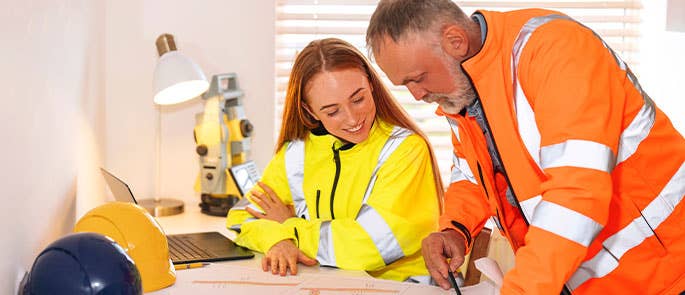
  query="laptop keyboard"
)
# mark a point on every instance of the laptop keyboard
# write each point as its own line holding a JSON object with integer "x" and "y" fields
{"x": 183, "y": 249}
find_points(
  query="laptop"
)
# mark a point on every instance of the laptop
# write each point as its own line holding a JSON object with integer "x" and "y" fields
{"x": 185, "y": 248}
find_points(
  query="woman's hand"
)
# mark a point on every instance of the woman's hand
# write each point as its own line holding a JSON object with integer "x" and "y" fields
{"x": 284, "y": 255}
{"x": 273, "y": 207}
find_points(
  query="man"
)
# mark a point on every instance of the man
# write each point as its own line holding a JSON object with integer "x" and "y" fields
{"x": 553, "y": 137}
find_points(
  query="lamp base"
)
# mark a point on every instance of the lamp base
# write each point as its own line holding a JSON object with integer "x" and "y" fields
{"x": 162, "y": 207}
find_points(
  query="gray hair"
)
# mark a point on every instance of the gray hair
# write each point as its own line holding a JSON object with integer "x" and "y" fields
{"x": 395, "y": 18}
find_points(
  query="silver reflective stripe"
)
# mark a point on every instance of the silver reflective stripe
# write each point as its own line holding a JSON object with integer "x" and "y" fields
{"x": 528, "y": 129}
{"x": 631, "y": 137}
{"x": 294, "y": 169}
{"x": 528, "y": 206}
{"x": 577, "y": 153}
{"x": 455, "y": 128}
{"x": 597, "y": 267}
{"x": 396, "y": 137}
{"x": 565, "y": 222}
{"x": 634, "y": 233}
{"x": 456, "y": 175}
{"x": 326, "y": 253}
{"x": 528, "y": 28}
{"x": 639, "y": 128}
{"x": 384, "y": 239}
{"x": 238, "y": 227}
{"x": 525, "y": 117}
{"x": 381, "y": 234}
{"x": 619, "y": 61}
{"x": 461, "y": 170}
{"x": 241, "y": 205}
{"x": 372, "y": 222}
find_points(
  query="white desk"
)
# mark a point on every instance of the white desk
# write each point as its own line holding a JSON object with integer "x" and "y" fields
{"x": 193, "y": 220}
{"x": 319, "y": 280}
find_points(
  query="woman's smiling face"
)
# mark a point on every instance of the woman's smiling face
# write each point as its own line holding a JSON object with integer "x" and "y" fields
{"x": 342, "y": 100}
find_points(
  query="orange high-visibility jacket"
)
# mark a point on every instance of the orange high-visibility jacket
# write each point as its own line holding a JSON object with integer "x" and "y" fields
{"x": 595, "y": 168}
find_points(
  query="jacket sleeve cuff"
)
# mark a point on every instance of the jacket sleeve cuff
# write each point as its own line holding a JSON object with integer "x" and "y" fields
{"x": 293, "y": 223}
{"x": 261, "y": 235}
{"x": 273, "y": 240}
{"x": 463, "y": 231}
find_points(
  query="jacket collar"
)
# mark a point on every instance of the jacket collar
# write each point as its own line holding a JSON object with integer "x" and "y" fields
{"x": 477, "y": 65}
{"x": 321, "y": 132}
{"x": 322, "y": 139}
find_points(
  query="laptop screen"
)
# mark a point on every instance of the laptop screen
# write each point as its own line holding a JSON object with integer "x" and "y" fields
{"x": 120, "y": 190}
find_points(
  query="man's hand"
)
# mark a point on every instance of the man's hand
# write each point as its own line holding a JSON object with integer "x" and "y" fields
{"x": 273, "y": 207}
{"x": 437, "y": 248}
{"x": 284, "y": 255}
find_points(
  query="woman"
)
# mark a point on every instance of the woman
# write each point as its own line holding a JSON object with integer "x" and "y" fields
{"x": 352, "y": 183}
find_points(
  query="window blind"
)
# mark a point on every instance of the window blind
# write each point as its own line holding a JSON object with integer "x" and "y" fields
{"x": 300, "y": 21}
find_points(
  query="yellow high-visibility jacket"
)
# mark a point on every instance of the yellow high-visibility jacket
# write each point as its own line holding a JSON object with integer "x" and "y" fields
{"x": 361, "y": 207}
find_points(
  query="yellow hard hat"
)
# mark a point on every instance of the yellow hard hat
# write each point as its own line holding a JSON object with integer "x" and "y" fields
{"x": 139, "y": 234}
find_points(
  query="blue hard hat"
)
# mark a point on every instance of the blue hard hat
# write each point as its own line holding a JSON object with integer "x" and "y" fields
{"x": 83, "y": 263}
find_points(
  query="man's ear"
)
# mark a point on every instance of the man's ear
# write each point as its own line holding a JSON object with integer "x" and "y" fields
{"x": 309, "y": 110}
{"x": 454, "y": 41}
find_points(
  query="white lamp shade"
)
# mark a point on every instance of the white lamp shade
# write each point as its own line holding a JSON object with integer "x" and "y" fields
{"x": 177, "y": 79}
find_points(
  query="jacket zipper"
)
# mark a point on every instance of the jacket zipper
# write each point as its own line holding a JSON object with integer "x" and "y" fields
{"x": 494, "y": 145}
{"x": 565, "y": 289}
{"x": 318, "y": 195}
{"x": 336, "y": 158}
{"x": 498, "y": 221}
{"x": 504, "y": 170}
{"x": 480, "y": 174}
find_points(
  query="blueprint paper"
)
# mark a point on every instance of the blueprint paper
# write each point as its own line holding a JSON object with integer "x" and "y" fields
{"x": 234, "y": 279}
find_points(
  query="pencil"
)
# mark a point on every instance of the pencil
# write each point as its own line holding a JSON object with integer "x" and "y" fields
{"x": 190, "y": 265}
{"x": 453, "y": 282}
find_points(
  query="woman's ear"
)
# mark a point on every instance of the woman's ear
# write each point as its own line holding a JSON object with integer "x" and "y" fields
{"x": 309, "y": 111}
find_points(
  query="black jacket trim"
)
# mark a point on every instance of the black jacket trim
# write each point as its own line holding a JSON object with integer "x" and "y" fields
{"x": 464, "y": 230}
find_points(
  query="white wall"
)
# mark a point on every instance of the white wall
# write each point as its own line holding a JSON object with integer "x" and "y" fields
{"x": 76, "y": 80}
{"x": 52, "y": 131}
{"x": 662, "y": 62}
{"x": 221, "y": 36}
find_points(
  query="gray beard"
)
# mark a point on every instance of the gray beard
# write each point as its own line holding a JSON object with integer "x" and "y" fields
{"x": 453, "y": 103}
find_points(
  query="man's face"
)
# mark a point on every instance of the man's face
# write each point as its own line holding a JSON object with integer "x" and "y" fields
{"x": 430, "y": 74}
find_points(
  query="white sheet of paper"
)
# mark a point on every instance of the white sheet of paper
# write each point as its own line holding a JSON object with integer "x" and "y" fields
{"x": 239, "y": 279}
{"x": 490, "y": 269}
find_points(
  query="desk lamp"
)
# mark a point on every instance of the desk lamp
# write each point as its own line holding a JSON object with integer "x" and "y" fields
{"x": 176, "y": 79}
